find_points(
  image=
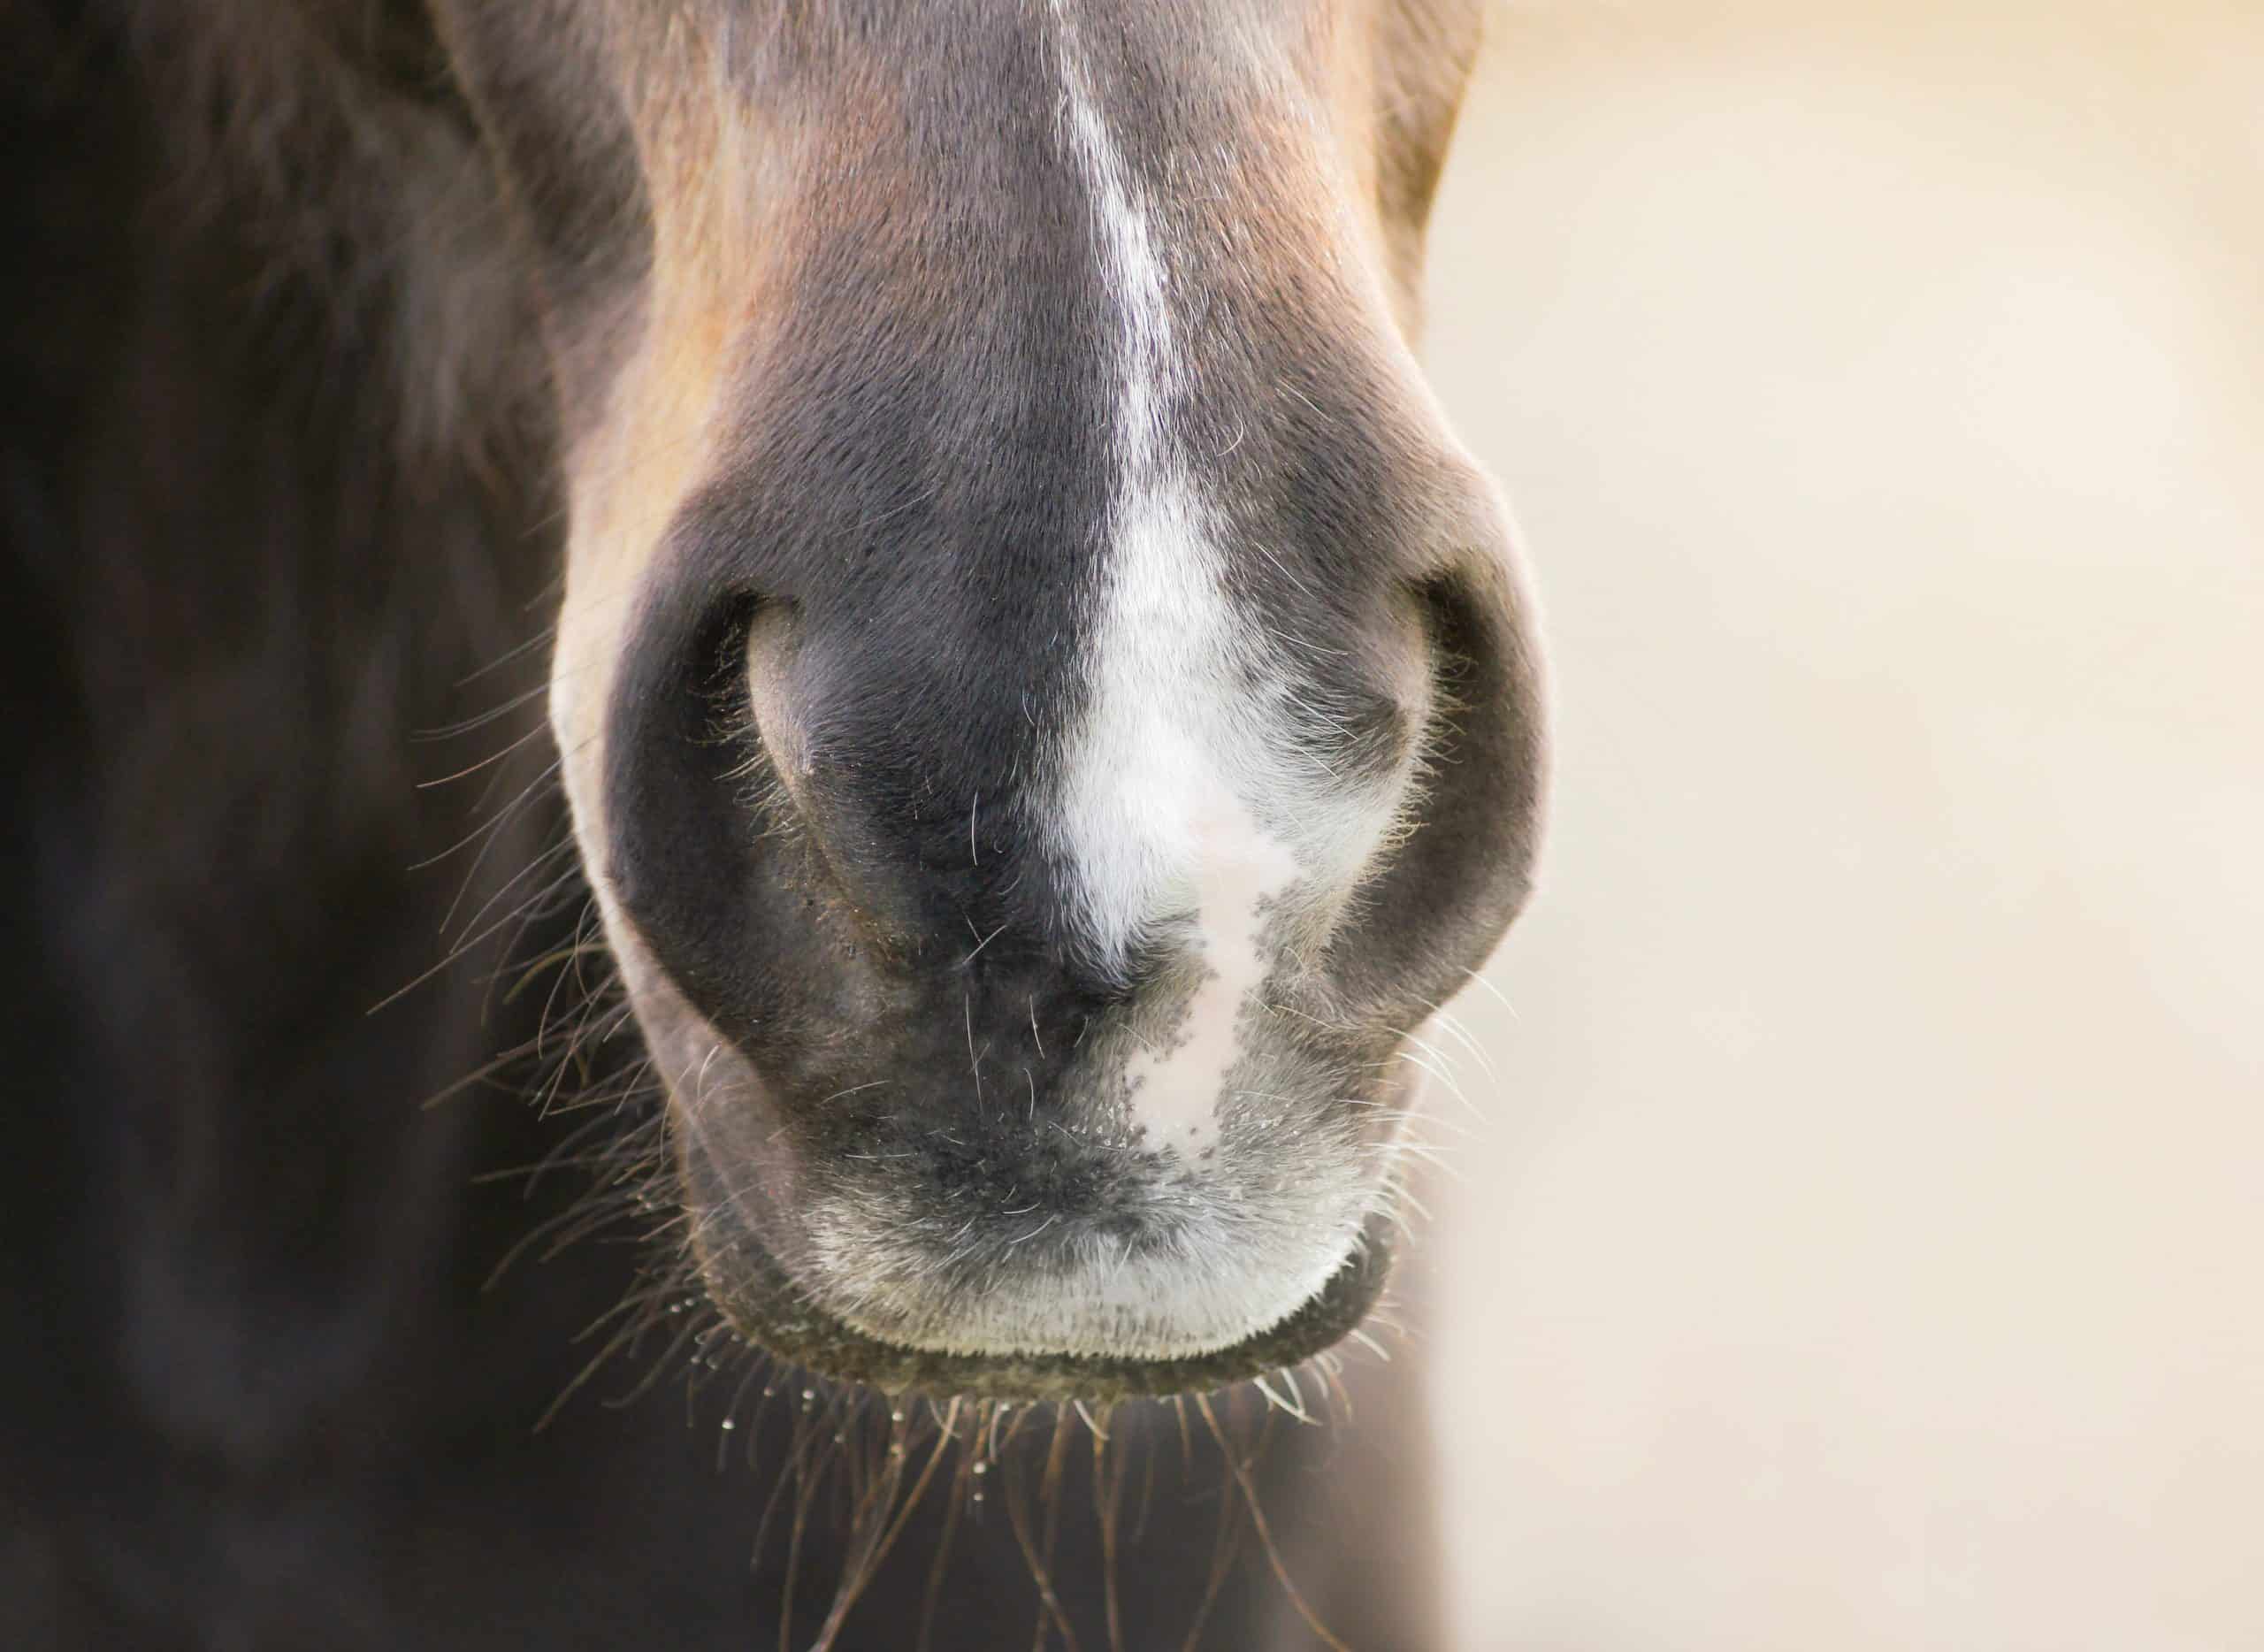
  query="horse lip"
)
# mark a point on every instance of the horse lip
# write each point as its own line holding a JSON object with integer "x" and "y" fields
{"x": 758, "y": 1294}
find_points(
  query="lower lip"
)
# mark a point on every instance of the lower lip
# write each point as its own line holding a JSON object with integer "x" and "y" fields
{"x": 772, "y": 1311}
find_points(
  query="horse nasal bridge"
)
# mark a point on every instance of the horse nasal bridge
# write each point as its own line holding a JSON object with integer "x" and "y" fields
{"x": 1192, "y": 795}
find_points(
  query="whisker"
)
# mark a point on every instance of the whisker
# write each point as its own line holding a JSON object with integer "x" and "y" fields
{"x": 1264, "y": 1530}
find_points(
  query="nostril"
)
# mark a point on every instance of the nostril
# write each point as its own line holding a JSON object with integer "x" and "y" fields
{"x": 796, "y": 786}
{"x": 772, "y": 727}
{"x": 1463, "y": 867}
{"x": 1453, "y": 639}
{"x": 674, "y": 826}
{"x": 1483, "y": 664}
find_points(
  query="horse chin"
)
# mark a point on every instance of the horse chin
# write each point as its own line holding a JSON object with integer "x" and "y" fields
{"x": 744, "y": 1277}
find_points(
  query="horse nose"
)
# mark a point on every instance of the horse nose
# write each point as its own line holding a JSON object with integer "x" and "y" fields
{"x": 864, "y": 794}
{"x": 878, "y": 794}
{"x": 1027, "y": 971}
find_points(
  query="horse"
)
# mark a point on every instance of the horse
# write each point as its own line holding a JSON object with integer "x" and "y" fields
{"x": 864, "y": 600}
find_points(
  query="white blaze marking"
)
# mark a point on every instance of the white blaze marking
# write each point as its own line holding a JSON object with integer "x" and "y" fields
{"x": 1178, "y": 756}
{"x": 1239, "y": 870}
{"x": 1196, "y": 796}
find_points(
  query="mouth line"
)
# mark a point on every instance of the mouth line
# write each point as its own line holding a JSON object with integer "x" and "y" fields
{"x": 773, "y": 1310}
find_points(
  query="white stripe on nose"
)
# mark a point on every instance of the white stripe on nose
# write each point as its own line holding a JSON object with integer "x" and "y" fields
{"x": 1240, "y": 870}
{"x": 1195, "y": 793}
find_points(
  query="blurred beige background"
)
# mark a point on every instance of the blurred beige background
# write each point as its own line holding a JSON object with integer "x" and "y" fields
{"x": 1862, "y": 1241}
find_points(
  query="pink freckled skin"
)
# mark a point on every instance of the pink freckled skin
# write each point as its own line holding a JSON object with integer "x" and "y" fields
{"x": 1238, "y": 870}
